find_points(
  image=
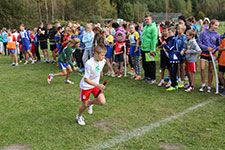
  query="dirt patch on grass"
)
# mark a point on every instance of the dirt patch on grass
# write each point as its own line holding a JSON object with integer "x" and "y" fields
{"x": 105, "y": 125}
{"x": 167, "y": 146}
{"x": 16, "y": 147}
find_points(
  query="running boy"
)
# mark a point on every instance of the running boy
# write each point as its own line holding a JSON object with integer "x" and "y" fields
{"x": 11, "y": 45}
{"x": 119, "y": 50}
{"x": 90, "y": 83}
{"x": 191, "y": 49}
{"x": 65, "y": 61}
{"x": 174, "y": 57}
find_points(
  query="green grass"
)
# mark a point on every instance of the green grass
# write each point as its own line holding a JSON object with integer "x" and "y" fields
{"x": 42, "y": 116}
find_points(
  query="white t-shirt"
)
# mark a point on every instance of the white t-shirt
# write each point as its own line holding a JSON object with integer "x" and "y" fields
{"x": 92, "y": 71}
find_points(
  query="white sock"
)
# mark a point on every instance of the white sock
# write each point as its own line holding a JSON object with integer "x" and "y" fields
{"x": 162, "y": 80}
{"x": 209, "y": 88}
{"x": 179, "y": 79}
{"x": 203, "y": 84}
{"x": 182, "y": 82}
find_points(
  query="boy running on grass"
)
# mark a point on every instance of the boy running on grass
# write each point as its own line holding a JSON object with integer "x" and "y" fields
{"x": 65, "y": 61}
{"x": 90, "y": 83}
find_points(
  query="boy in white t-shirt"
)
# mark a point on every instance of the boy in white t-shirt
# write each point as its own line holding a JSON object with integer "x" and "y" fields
{"x": 90, "y": 83}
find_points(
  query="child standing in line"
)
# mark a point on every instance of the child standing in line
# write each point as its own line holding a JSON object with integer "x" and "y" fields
{"x": 180, "y": 45}
{"x": 58, "y": 38}
{"x": 25, "y": 39}
{"x": 191, "y": 49}
{"x": 119, "y": 50}
{"x": 32, "y": 45}
{"x": 65, "y": 61}
{"x": 222, "y": 65}
{"x": 11, "y": 45}
{"x": 174, "y": 56}
{"x": 164, "y": 56}
{"x": 135, "y": 52}
{"x": 108, "y": 45}
{"x": 90, "y": 83}
{"x": 1, "y": 43}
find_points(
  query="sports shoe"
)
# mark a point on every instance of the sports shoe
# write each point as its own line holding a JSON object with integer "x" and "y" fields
{"x": 20, "y": 61}
{"x": 223, "y": 93}
{"x": 180, "y": 85}
{"x": 33, "y": 62}
{"x": 151, "y": 81}
{"x": 186, "y": 85}
{"x": 90, "y": 109}
{"x": 138, "y": 78}
{"x": 50, "y": 77}
{"x": 26, "y": 62}
{"x": 208, "y": 90}
{"x": 202, "y": 89}
{"x": 161, "y": 83}
{"x": 54, "y": 62}
{"x": 120, "y": 75}
{"x": 80, "y": 120}
{"x": 130, "y": 71}
{"x": 69, "y": 82}
{"x": 107, "y": 74}
{"x": 12, "y": 65}
{"x": 47, "y": 61}
{"x": 190, "y": 89}
{"x": 134, "y": 76}
{"x": 81, "y": 70}
{"x": 168, "y": 84}
{"x": 115, "y": 74}
{"x": 172, "y": 88}
{"x": 17, "y": 64}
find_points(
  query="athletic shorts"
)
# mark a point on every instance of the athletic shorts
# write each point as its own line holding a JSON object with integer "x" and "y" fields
{"x": 191, "y": 66}
{"x": 85, "y": 94}
{"x": 52, "y": 46}
{"x": 109, "y": 52}
{"x": 221, "y": 68}
{"x": 11, "y": 50}
{"x": 207, "y": 58}
{"x": 119, "y": 58}
{"x": 62, "y": 65}
{"x": 43, "y": 45}
{"x": 164, "y": 61}
{"x": 26, "y": 47}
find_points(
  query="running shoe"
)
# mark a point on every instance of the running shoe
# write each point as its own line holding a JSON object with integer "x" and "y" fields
{"x": 80, "y": 120}
{"x": 172, "y": 88}
{"x": 50, "y": 77}
{"x": 69, "y": 82}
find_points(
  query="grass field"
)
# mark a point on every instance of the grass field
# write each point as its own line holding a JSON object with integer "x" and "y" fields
{"x": 38, "y": 116}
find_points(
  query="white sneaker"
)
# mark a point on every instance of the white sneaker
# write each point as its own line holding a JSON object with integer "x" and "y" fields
{"x": 33, "y": 62}
{"x": 50, "y": 77}
{"x": 209, "y": 90}
{"x": 80, "y": 120}
{"x": 26, "y": 63}
{"x": 17, "y": 64}
{"x": 90, "y": 109}
{"x": 202, "y": 89}
{"x": 161, "y": 83}
{"x": 168, "y": 84}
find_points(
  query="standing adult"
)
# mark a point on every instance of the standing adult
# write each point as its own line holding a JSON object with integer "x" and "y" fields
{"x": 4, "y": 39}
{"x": 88, "y": 39}
{"x": 206, "y": 23}
{"x": 52, "y": 41}
{"x": 42, "y": 36}
{"x": 148, "y": 45}
{"x": 209, "y": 41}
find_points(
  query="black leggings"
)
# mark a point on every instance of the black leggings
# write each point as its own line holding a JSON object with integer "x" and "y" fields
{"x": 78, "y": 54}
{"x": 5, "y": 47}
{"x": 173, "y": 74}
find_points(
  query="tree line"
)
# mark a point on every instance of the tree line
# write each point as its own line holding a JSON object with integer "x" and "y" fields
{"x": 31, "y": 12}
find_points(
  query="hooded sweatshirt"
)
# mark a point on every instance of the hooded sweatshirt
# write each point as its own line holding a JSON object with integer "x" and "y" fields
{"x": 88, "y": 39}
{"x": 193, "y": 50}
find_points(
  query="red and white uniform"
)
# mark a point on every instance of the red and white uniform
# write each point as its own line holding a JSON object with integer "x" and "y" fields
{"x": 92, "y": 72}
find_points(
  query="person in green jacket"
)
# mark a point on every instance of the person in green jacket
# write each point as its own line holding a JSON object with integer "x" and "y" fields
{"x": 65, "y": 61}
{"x": 148, "y": 49}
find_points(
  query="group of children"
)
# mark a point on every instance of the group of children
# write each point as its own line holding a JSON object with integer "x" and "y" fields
{"x": 120, "y": 43}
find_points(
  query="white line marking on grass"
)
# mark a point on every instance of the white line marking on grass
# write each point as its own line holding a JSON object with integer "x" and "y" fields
{"x": 142, "y": 130}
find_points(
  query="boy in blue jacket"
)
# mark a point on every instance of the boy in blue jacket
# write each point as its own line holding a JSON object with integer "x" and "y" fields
{"x": 174, "y": 57}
